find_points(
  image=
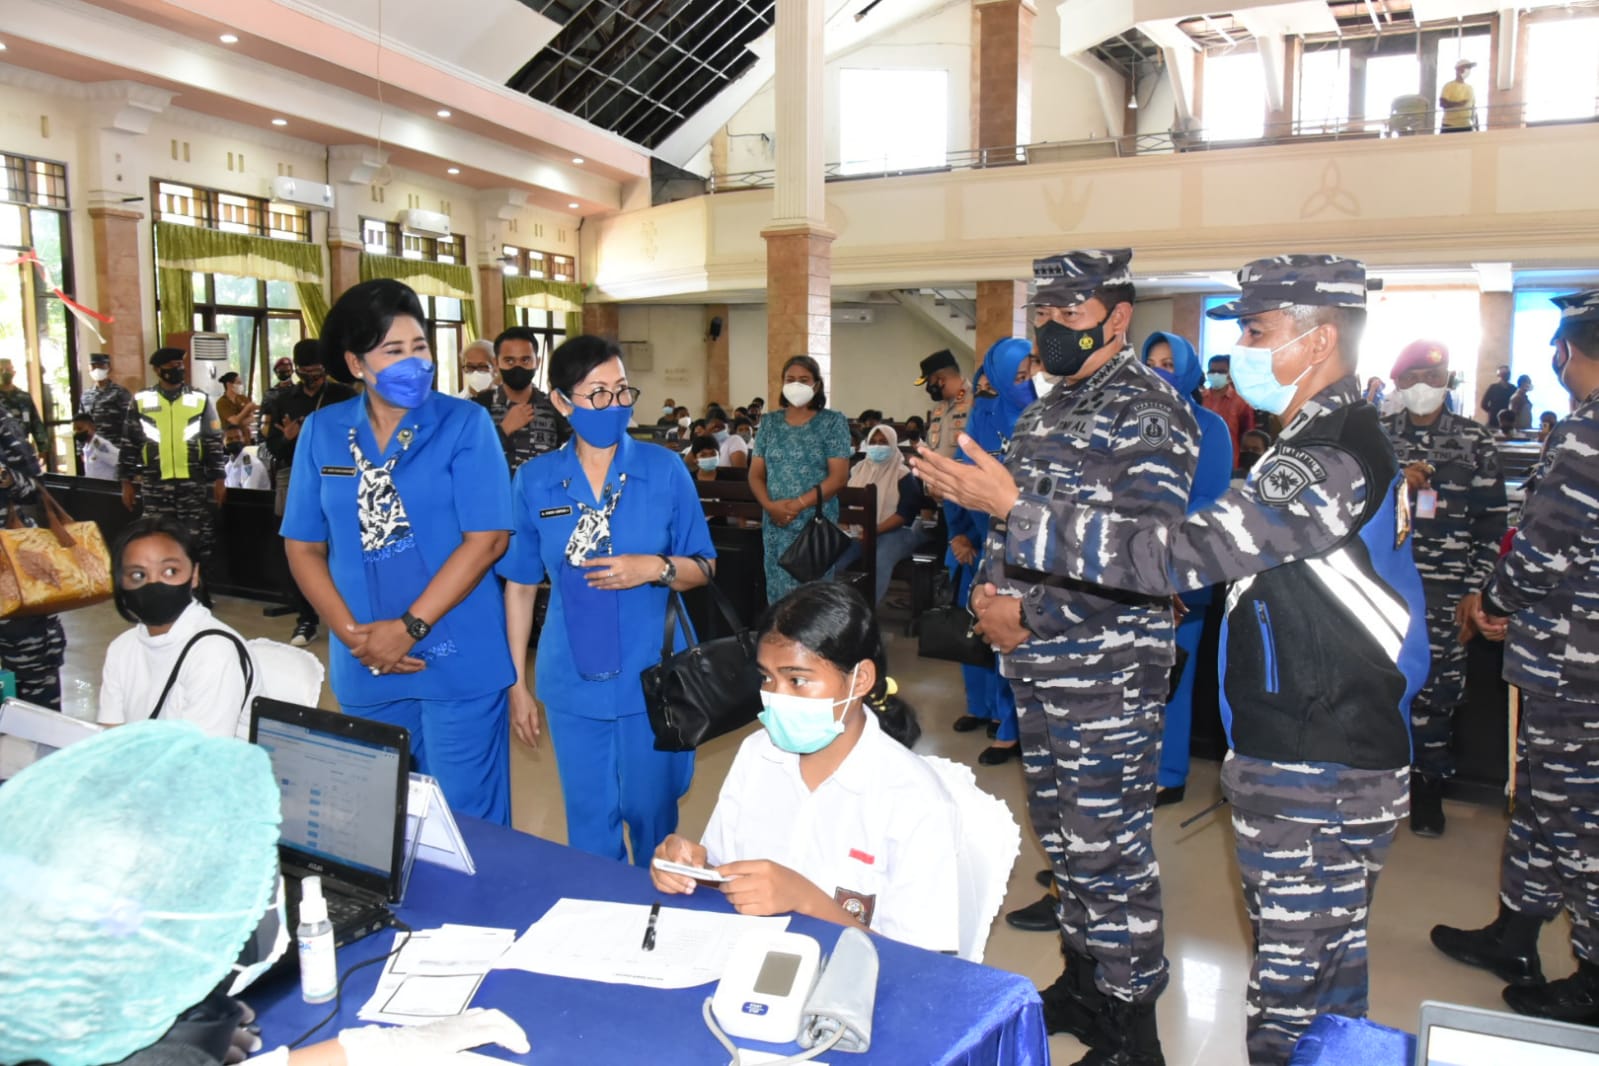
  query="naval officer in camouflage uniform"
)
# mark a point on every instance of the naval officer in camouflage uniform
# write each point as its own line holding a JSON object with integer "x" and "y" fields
{"x": 31, "y": 648}
{"x": 1458, "y": 508}
{"x": 1089, "y": 665}
{"x": 1324, "y": 642}
{"x": 1543, "y": 600}
{"x": 107, "y": 402}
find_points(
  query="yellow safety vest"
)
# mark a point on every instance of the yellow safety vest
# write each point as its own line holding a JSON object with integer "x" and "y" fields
{"x": 174, "y": 423}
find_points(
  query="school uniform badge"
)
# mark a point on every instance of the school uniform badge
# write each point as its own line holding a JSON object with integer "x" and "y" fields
{"x": 858, "y": 905}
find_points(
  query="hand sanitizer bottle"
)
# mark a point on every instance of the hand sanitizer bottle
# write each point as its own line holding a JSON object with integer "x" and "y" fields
{"x": 319, "y": 977}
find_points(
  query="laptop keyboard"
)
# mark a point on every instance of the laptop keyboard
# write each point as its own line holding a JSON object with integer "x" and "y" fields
{"x": 344, "y": 910}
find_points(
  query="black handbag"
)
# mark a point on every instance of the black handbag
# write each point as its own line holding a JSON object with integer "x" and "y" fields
{"x": 706, "y": 690}
{"x": 818, "y": 546}
{"x": 946, "y": 633}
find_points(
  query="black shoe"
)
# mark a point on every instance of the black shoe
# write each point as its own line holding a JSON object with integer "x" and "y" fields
{"x": 304, "y": 633}
{"x": 1128, "y": 1037}
{"x": 1045, "y": 878}
{"x": 1570, "y": 999}
{"x": 998, "y": 754}
{"x": 1167, "y": 796}
{"x": 966, "y": 723}
{"x": 1035, "y": 917}
{"x": 1508, "y": 948}
{"x": 1426, "y": 805}
{"x": 1073, "y": 1004}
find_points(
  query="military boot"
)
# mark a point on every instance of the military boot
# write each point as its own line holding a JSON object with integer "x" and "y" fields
{"x": 1508, "y": 948}
{"x": 1426, "y": 805}
{"x": 1570, "y": 999}
{"x": 1128, "y": 1037}
{"x": 1074, "y": 1004}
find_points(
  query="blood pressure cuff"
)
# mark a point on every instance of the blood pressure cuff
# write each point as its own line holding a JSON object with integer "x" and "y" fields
{"x": 845, "y": 997}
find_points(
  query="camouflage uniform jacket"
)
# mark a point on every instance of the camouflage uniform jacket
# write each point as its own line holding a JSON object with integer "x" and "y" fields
{"x": 1120, "y": 438}
{"x": 108, "y": 405}
{"x": 546, "y": 431}
{"x": 1459, "y": 545}
{"x": 1549, "y": 581}
{"x": 1324, "y": 643}
{"x": 19, "y": 466}
{"x": 20, "y": 406}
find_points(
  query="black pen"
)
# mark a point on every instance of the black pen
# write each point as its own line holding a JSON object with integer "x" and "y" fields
{"x": 649, "y": 932}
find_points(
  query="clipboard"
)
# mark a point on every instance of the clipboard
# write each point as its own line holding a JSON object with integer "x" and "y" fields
{"x": 430, "y": 829}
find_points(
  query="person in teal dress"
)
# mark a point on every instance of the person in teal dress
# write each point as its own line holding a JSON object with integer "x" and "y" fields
{"x": 806, "y": 448}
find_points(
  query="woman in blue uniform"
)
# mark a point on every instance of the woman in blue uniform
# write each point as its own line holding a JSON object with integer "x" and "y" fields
{"x": 398, "y": 506}
{"x": 614, "y": 523}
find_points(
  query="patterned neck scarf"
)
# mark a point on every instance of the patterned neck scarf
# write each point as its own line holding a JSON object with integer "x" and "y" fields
{"x": 592, "y": 535}
{"x": 385, "y": 527}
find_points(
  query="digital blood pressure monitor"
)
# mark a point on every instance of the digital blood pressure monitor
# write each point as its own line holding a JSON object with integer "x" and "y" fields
{"x": 763, "y": 990}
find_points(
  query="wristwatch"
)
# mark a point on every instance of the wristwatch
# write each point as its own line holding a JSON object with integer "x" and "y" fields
{"x": 415, "y": 626}
{"x": 669, "y": 574}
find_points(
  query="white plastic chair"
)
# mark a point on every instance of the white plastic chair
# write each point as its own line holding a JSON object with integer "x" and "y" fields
{"x": 29, "y": 732}
{"x": 990, "y": 842}
{"x": 284, "y": 672}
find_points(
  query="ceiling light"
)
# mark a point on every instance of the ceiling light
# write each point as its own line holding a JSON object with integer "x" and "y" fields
{"x": 453, "y": 170}
{"x": 228, "y": 38}
{"x": 573, "y": 206}
{"x": 280, "y": 122}
{"x": 578, "y": 160}
{"x": 443, "y": 112}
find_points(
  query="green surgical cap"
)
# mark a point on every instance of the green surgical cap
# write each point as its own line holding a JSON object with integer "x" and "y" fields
{"x": 133, "y": 866}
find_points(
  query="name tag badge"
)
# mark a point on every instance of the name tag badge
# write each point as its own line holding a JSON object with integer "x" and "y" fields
{"x": 1427, "y": 503}
{"x": 554, "y": 512}
{"x": 338, "y": 471}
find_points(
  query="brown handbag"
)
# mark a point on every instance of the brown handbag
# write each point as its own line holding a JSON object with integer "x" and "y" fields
{"x": 53, "y": 568}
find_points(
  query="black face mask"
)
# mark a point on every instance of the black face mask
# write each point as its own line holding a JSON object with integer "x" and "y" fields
{"x": 517, "y": 378}
{"x": 172, "y": 375}
{"x": 1064, "y": 350}
{"x": 935, "y": 391}
{"x": 156, "y": 603}
{"x": 81, "y": 438}
{"x": 233, "y": 448}
{"x": 284, "y": 379}
{"x": 1248, "y": 459}
{"x": 313, "y": 381}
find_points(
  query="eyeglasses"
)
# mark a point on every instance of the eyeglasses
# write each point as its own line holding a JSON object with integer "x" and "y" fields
{"x": 601, "y": 397}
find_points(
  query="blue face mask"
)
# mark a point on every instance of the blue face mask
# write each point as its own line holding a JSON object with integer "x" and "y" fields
{"x": 602, "y": 428}
{"x": 801, "y": 725}
{"x": 405, "y": 383}
{"x": 1216, "y": 381}
{"x": 1257, "y": 383}
{"x": 1168, "y": 376}
{"x": 720, "y": 436}
{"x": 708, "y": 464}
{"x": 879, "y": 453}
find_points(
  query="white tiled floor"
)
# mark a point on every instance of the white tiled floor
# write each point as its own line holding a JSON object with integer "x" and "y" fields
{"x": 1452, "y": 880}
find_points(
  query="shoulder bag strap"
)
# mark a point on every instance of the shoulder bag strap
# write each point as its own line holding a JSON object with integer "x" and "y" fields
{"x": 244, "y": 663}
{"x": 723, "y": 604}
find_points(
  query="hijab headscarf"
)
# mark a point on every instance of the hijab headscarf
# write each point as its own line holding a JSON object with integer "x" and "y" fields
{"x": 886, "y": 476}
{"x": 993, "y": 418}
{"x": 1213, "y": 473}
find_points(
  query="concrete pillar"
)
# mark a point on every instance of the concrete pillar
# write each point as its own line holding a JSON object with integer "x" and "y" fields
{"x": 344, "y": 267}
{"x": 1001, "y": 313}
{"x": 1002, "y": 76}
{"x": 1498, "y": 313}
{"x": 718, "y": 356}
{"x": 1507, "y": 66}
{"x": 352, "y": 168}
{"x": 1187, "y": 315}
{"x": 799, "y": 265}
{"x": 1281, "y": 54}
{"x": 490, "y": 300}
{"x": 602, "y": 320}
{"x": 116, "y": 280}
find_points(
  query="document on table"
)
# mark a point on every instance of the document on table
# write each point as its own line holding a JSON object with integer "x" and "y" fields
{"x": 598, "y": 941}
{"x": 435, "y": 973}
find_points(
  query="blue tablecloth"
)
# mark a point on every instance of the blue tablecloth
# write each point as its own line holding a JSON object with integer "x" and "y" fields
{"x": 930, "y": 1008}
{"x": 1333, "y": 1040}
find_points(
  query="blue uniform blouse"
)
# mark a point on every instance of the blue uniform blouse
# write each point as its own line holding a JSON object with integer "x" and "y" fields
{"x": 453, "y": 480}
{"x": 658, "y": 513}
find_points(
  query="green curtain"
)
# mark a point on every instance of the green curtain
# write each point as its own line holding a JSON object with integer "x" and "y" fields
{"x": 313, "y": 306}
{"x": 182, "y": 251}
{"x": 177, "y": 300}
{"x": 574, "y": 324}
{"x": 451, "y": 280}
{"x": 469, "y": 330}
{"x": 557, "y": 296}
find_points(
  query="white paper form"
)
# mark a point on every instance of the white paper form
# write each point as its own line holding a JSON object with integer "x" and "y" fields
{"x": 435, "y": 974}
{"x": 594, "y": 940}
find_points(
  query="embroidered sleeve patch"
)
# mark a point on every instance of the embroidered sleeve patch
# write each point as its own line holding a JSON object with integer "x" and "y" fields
{"x": 1286, "y": 473}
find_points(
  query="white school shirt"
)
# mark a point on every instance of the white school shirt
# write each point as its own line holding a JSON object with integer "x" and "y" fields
{"x": 246, "y": 471}
{"x": 881, "y": 836}
{"x": 209, "y": 692}
{"x": 733, "y": 445}
{"x": 100, "y": 459}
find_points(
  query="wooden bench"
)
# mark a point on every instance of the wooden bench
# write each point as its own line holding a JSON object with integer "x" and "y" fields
{"x": 856, "y": 506}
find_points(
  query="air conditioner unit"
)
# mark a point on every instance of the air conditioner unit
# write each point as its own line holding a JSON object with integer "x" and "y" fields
{"x": 638, "y": 356}
{"x": 208, "y": 359}
{"x": 852, "y": 316}
{"x": 305, "y": 193}
{"x": 432, "y": 223}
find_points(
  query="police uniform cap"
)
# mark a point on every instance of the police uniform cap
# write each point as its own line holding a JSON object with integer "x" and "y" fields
{"x": 1420, "y": 355}
{"x": 99, "y": 359}
{"x": 166, "y": 355}
{"x": 943, "y": 359}
{"x": 1301, "y": 280}
{"x": 1070, "y": 278}
{"x": 1576, "y": 308}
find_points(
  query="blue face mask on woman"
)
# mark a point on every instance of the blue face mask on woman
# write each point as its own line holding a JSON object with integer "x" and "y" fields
{"x": 1257, "y": 383}
{"x": 601, "y": 428}
{"x": 802, "y": 725}
{"x": 405, "y": 383}
{"x": 879, "y": 453}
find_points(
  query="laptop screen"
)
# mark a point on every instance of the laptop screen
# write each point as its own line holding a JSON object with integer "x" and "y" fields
{"x": 338, "y": 793}
{"x": 1460, "y": 1047}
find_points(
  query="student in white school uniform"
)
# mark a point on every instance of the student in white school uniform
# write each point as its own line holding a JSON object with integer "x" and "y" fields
{"x": 99, "y": 455}
{"x": 826, "y": 811}
{"x": 244, "y": 470}
{"x": 154, "y": 578}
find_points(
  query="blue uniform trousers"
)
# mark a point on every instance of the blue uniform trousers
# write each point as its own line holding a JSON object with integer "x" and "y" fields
{"x": 987, "y": 694}
{"x": 611, "y": 774}
{"x": 466, "y": 744}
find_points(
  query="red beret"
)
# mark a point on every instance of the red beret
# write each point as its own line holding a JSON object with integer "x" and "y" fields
{"x": 1421, "y": 355}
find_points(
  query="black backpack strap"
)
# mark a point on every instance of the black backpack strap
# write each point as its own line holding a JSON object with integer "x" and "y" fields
{"x": 245, "y": 665}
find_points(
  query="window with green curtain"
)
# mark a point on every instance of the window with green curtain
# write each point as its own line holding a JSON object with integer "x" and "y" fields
{"x": 182, "y": 251}
{"x": 561, "y": 297}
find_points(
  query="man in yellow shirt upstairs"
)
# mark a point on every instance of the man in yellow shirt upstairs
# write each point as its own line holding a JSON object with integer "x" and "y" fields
{"x": 1458, "y": 101}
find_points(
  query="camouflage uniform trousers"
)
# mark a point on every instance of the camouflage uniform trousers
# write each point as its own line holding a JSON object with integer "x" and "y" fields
{"x": 189, "y": 503}
{"x": 1307, "y": 890}
{"x": 1432, "y": 712}
{"x": 1090, "y": 748}
{"x": 1551, "y": 856}
{"x": 34, "y": 649}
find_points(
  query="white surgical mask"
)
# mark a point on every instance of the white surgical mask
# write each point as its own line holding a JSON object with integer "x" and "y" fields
{"x": 478, "y": 380}
{"x": 1422, "y": 398}
{"x": 1043, "y": 384}
{"x": 798, "y": 394}
{"x": 684, "y": 422}
{"x": 100, "y": 373}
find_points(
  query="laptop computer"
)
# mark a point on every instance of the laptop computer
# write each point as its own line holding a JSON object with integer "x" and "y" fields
{"x": 344, "y": 782}
{"x": 1450, "y": 1035}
